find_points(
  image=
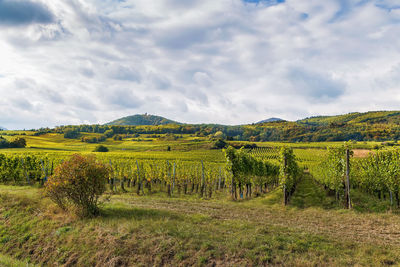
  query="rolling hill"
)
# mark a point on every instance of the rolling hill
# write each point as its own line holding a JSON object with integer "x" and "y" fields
{"x": 142, "y": 119}
{"x": 371, "y": 117}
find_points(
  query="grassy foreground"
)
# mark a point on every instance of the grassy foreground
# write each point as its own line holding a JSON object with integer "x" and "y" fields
{"x": 6, "y": 261}
{"x": 181, "y": 231}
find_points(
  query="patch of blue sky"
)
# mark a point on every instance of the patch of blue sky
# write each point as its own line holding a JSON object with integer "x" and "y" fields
{"x": 388, "y": 5}
{"x": 345, "y": 9}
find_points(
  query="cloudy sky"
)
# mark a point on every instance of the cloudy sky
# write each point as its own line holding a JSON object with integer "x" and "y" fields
{"x": 215, "y": 61}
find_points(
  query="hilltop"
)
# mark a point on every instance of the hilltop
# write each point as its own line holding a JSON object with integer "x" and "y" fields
{"x": 142, "y": 119}
{"x": 270, "y": 120}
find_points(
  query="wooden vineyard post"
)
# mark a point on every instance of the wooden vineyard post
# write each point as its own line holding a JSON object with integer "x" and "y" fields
{"x": 203, "y": 182}
{"x": 122, "y": 179}
{"x": 44, "y": 170}
{"x": 26, "y": 172}
{"x": 348, "y": 200}
{"x": 219, "y": 180}
{"x": 52, "y": 168}
{"x": 110, "y": 180}
{"x": 285, "y": 196}
{"x": 169, "y": 179}
{"x": 139, "y": 180}
{"x": 173, "y": 178}
{"x": 233, "y": 186}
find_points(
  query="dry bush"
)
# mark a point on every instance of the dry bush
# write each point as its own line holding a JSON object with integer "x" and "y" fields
{"x": 78, "y": 183}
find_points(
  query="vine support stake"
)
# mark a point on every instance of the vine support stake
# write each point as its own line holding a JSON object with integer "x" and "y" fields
{"x": 285, "y": 196}
{"x": 348, "y": 200}
{"x": 203, "y": 180}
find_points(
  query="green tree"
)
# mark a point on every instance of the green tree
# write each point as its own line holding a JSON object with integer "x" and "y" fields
{"x": 18, "y": 143}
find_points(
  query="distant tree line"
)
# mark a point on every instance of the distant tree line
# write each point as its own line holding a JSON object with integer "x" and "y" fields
{"x": 275, "y": 131}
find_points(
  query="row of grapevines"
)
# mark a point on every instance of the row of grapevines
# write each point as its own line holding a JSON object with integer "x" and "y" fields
{"x": 168, "y": 176}
{"x": 265, "y": 153}
{"x": 330, "y": 172}
{"x": 379, "y": 174}
{"x": 248, "y": 170}
{"x": 25, "y": 169}
{"x": 172, "y": 176}
{"x": 289, "y": 174}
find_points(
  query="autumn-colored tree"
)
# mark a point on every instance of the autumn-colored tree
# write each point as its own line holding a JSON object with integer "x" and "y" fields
{"x": 78, "y": 183}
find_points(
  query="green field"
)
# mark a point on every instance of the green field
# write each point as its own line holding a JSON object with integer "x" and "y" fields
{"x": 186, "y": 148}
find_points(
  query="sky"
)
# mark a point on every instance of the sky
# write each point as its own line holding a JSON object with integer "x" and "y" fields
{"x": 196, "y": 61}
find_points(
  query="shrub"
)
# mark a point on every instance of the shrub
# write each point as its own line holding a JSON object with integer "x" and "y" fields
{"x": 78, "y": 183}
{"x": 100, "y": 148}
{"x": 219, "y": 144}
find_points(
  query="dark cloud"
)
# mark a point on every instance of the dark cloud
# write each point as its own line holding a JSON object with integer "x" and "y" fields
{"x": 182, "y": 3}
{"x": 82, "y": 102}
{"x": 123, "y": 98}
{"x": 315, "y": 85}
{"x": 52, "y": 95}
{"x": 125, "y": 74}
{"x": 183, "y": 37}
{"x": 265, "y": 2}
{"x": 86, "y": 72}
{"x": 159, "y": 82}
{"x": 24, "y": 83}
{"x": 19, "y": 12}
{"x": 22, "y": 104}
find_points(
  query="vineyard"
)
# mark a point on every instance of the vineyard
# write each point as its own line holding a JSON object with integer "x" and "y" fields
{"x": 243, "y": 197}
{"x": 240, "y": 173}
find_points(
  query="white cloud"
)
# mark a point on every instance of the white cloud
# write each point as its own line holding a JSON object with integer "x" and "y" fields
{"x": 223, "y": 61}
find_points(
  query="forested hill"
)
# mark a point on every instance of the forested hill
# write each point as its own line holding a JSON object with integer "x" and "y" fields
{"x": 372, "y": 117}
{"x": 144, "y": 119}
{"x": 369, "y": 126}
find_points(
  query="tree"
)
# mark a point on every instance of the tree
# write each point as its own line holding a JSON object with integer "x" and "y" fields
{"x": 71, "y": 133}
{"x": 18, "y": 143}
{"x": 4, "y": 143}
{"x": 109, "y": 133}
{"x": 220, "y": 144}
{"x": 78, "y": 183}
